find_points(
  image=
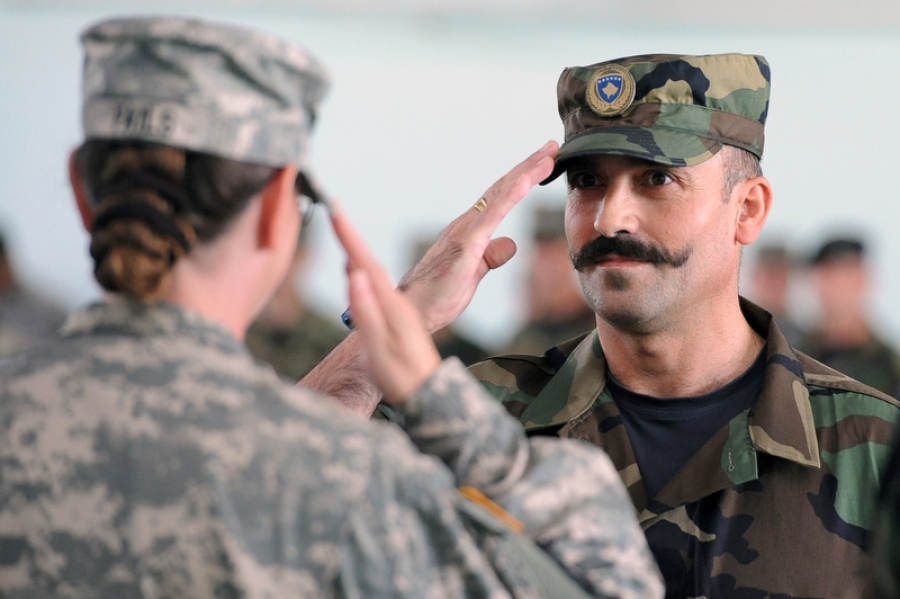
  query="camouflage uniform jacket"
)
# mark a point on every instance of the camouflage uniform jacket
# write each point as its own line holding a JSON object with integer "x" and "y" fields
{"x": 147, "y": 455}
{"x": 886, "y": 576}
{"x": 873, "y": 362}
{"x": 778, "y": 503}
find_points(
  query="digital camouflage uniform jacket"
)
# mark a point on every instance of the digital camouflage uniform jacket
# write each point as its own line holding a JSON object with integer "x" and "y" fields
{"x": 776, "y": 504}
{"x": 147, "y": 455}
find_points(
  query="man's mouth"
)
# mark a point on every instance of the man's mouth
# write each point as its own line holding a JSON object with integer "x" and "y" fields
{"x": 616, "y": 260}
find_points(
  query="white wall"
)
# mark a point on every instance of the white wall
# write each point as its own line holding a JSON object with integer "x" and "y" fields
{"x": 426, "y": 113}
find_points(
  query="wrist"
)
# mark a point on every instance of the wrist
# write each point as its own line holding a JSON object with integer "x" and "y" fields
{"x": 430, "y": 326}
{"x": 409, "y": 384}
{"x": 421, "y": 304}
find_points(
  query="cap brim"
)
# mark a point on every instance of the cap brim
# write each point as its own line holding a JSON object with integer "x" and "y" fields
{"x": 660, "y": 146}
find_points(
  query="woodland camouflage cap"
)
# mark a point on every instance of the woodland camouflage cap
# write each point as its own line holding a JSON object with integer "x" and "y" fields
{"x": 214, "y": 88}
{"x": 670, "y": 109}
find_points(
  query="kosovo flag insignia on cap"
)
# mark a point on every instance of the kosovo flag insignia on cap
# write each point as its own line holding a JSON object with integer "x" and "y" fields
{"x": 610, "y": 90}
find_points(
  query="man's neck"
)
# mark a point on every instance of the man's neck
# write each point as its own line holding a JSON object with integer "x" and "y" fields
{"x": 685, "y": 360}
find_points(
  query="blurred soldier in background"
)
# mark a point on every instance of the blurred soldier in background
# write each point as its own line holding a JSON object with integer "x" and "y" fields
{"x": 771, "y": 273}
{"x": 557, "y": 311}
{"x": 844, "y": 336}
{"x": 289, "y": 333}
{"x": 27, "y": 318}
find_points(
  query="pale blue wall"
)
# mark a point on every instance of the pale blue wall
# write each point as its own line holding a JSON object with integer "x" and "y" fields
{"x": 425, "y": 114}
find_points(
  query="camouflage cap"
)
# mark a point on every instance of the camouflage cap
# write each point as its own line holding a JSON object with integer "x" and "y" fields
{"x": 214, "y": 88}
{"x": 670, "y": 109}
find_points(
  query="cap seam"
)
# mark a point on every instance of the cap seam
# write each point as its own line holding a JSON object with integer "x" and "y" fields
{"x": 697, "y": 106}
{"x": 722, "y": 140}
{"x": 725, "y": 140}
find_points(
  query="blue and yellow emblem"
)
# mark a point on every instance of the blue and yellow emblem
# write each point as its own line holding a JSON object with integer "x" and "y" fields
{"x": 610, "y": 90}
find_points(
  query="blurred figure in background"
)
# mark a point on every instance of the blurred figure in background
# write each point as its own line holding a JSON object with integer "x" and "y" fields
{"x": 844, "y": 338}
{"x": 449, "y": 340}
{"x": 770, "y": 279}
{"x": 27, "y": 317}
{"x": 289, "y": 333}
{"x": 556, "y": 307}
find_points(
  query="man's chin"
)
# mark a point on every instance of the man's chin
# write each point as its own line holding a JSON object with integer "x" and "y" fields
{"x": 615, "y": 279}
{"x": 625, "y": 319}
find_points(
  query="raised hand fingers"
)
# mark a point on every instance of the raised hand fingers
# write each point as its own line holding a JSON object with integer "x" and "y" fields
{"x": 503, "y": 195}
{"x": 367, "y": 311}
{"x": 358, "y": 253}
{"x": 498, "y": 252}
{"x": 443, "y": 282}
{"x": 399, "y": 350}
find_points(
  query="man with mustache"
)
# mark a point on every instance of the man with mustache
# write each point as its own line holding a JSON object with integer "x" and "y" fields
{"x": 752, "y": 467}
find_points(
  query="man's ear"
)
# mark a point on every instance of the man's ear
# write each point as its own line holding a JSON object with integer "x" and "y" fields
{"x": 277, "y": 198}
{"x": 754, "y": 198}
{"x": 84, "y": 207}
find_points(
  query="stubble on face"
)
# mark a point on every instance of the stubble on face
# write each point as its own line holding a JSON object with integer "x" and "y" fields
{"x": 614, "y": 280}
{"x": 642, "y": 297}
{"x": 607, "y": 289}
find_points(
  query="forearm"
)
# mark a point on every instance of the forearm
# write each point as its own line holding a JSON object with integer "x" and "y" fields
{"x": 343, "y": 376}
{"x": 568, "y": 496}
{"x": 453, "y": 418}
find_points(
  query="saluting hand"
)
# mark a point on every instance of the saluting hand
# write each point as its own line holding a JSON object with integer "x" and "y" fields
{"x": 400, "y": 354}
{"x": 443, "y": 282}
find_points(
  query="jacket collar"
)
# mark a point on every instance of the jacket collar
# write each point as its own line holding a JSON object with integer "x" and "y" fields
{"x": 120, "y": 316}
{"x": 779, "y": 424}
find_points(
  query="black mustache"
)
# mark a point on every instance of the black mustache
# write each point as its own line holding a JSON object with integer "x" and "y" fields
{"x": 626, "y": 247}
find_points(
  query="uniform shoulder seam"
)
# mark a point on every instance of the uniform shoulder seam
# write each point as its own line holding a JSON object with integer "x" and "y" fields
{"x": 820, "y": 375}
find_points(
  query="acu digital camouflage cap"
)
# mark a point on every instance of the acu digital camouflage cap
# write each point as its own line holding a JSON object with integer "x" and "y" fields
{"x": 670, "y": 109}
{"x": 213, "y": 88}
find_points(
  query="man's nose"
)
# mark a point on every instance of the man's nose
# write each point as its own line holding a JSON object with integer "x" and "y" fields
{"x": 615, "y": 213}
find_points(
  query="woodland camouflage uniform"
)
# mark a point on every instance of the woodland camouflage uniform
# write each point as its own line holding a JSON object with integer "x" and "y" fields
{"x": 886, "y": 574}
{"x": 779, "y": 502}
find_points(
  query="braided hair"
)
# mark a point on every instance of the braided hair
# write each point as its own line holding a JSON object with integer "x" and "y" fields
{"x": 151, "y": 203}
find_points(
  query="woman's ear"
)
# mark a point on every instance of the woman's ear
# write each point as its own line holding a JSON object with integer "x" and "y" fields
{"x": 754, "y": 203}
{"x": 277, "y": 197}
{"x": 84, "y": 208}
